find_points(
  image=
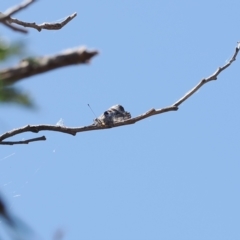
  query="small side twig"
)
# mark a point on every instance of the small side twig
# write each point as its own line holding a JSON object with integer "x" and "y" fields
{"x": 14, "y": 28}
{"x": 151, "y": 112}
{"x": 7, "y": 20}
{"x": 47, "y": 26}
{"x": 32, "y": 66}
{"x": 9, "y": 12}
{"x": 43, "y": 138}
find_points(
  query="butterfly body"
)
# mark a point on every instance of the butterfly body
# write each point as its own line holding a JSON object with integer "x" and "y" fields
{"x": 113, "y": 115}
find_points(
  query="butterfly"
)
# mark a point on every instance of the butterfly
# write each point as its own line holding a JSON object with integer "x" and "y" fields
{"x": 113, "y": 115}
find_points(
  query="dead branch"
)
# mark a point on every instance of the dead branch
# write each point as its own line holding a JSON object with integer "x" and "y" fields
{"x": 151, "y": 112}
{"x": 74, "y": 131}
{"x": 24, "y": 141}
{"x": 14, "y": 28}
{"x": 210, "y": 78}
{"x": 32, "y": 66}
{"x": 7, "y": 20}
{"x": 9, "y": 12}
{"x": 47, "y": 26}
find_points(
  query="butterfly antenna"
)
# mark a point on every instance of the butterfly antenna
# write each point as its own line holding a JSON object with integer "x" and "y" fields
{"x": 92, "y": 110}
{"x": 94, "y": 114}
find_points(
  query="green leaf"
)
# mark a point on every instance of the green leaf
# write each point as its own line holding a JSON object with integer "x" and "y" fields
{"x": 14, "y": 95}
{"x": 8, "y": 50}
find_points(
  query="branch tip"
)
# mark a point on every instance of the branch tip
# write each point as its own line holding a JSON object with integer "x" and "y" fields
{"x": 32, "y": 66}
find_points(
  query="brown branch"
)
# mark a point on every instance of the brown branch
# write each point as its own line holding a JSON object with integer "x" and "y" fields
{"x": 23, "y": 141}
{"x": 15, "y": 28}
{"x": 4, "y": 17}
{"x": 151, "y": 112}
{"x": 32, "y": 66}
{"x": 7, "y": 20}
{"x": 210, "y": 78}
{"x": 74, "y": 131}
{"x": 9, "y": 12}
{"x": 48, "y": 26}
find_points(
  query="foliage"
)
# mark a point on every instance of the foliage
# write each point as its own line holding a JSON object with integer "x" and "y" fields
{"x": 8, "y": 50}
{"x": 12, "y": 94}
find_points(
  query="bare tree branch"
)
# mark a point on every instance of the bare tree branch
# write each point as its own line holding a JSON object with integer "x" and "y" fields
{"x": 9, "y": 12}
{"x": 15, "y": 28}
{"x": 210, "y": 78}
{"x": 151, "y": 112}
{"x": 48, "y": 26}
{"x": 7, "y": 20}
{"x": 32, "y": 66}
{"x": 24, "y": 141}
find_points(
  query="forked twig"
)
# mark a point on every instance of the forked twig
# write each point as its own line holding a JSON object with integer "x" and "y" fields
{"x": 14, "y": 28}
{"x": 9, "y": 12}
{"x": 151, "y": 112}
{"x": 7, "y": 20}
{"x": 47, "y": 26}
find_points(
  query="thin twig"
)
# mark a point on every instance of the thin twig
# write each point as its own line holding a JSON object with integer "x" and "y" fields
{"x": 151, "y": 112}
{"x": 9, "y": 12}
{"x": 6, "y": 16}
{"x": 15, "y": 28}
{"x": 210, "y": 78}
{"x": 7, "y": 20}
{"x": 32, "y": 66}
{"x": 24, "y": 141}
{"x": 47, "y": 26}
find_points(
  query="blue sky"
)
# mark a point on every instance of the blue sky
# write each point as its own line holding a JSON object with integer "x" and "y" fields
{"x": 171, "y": 176}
